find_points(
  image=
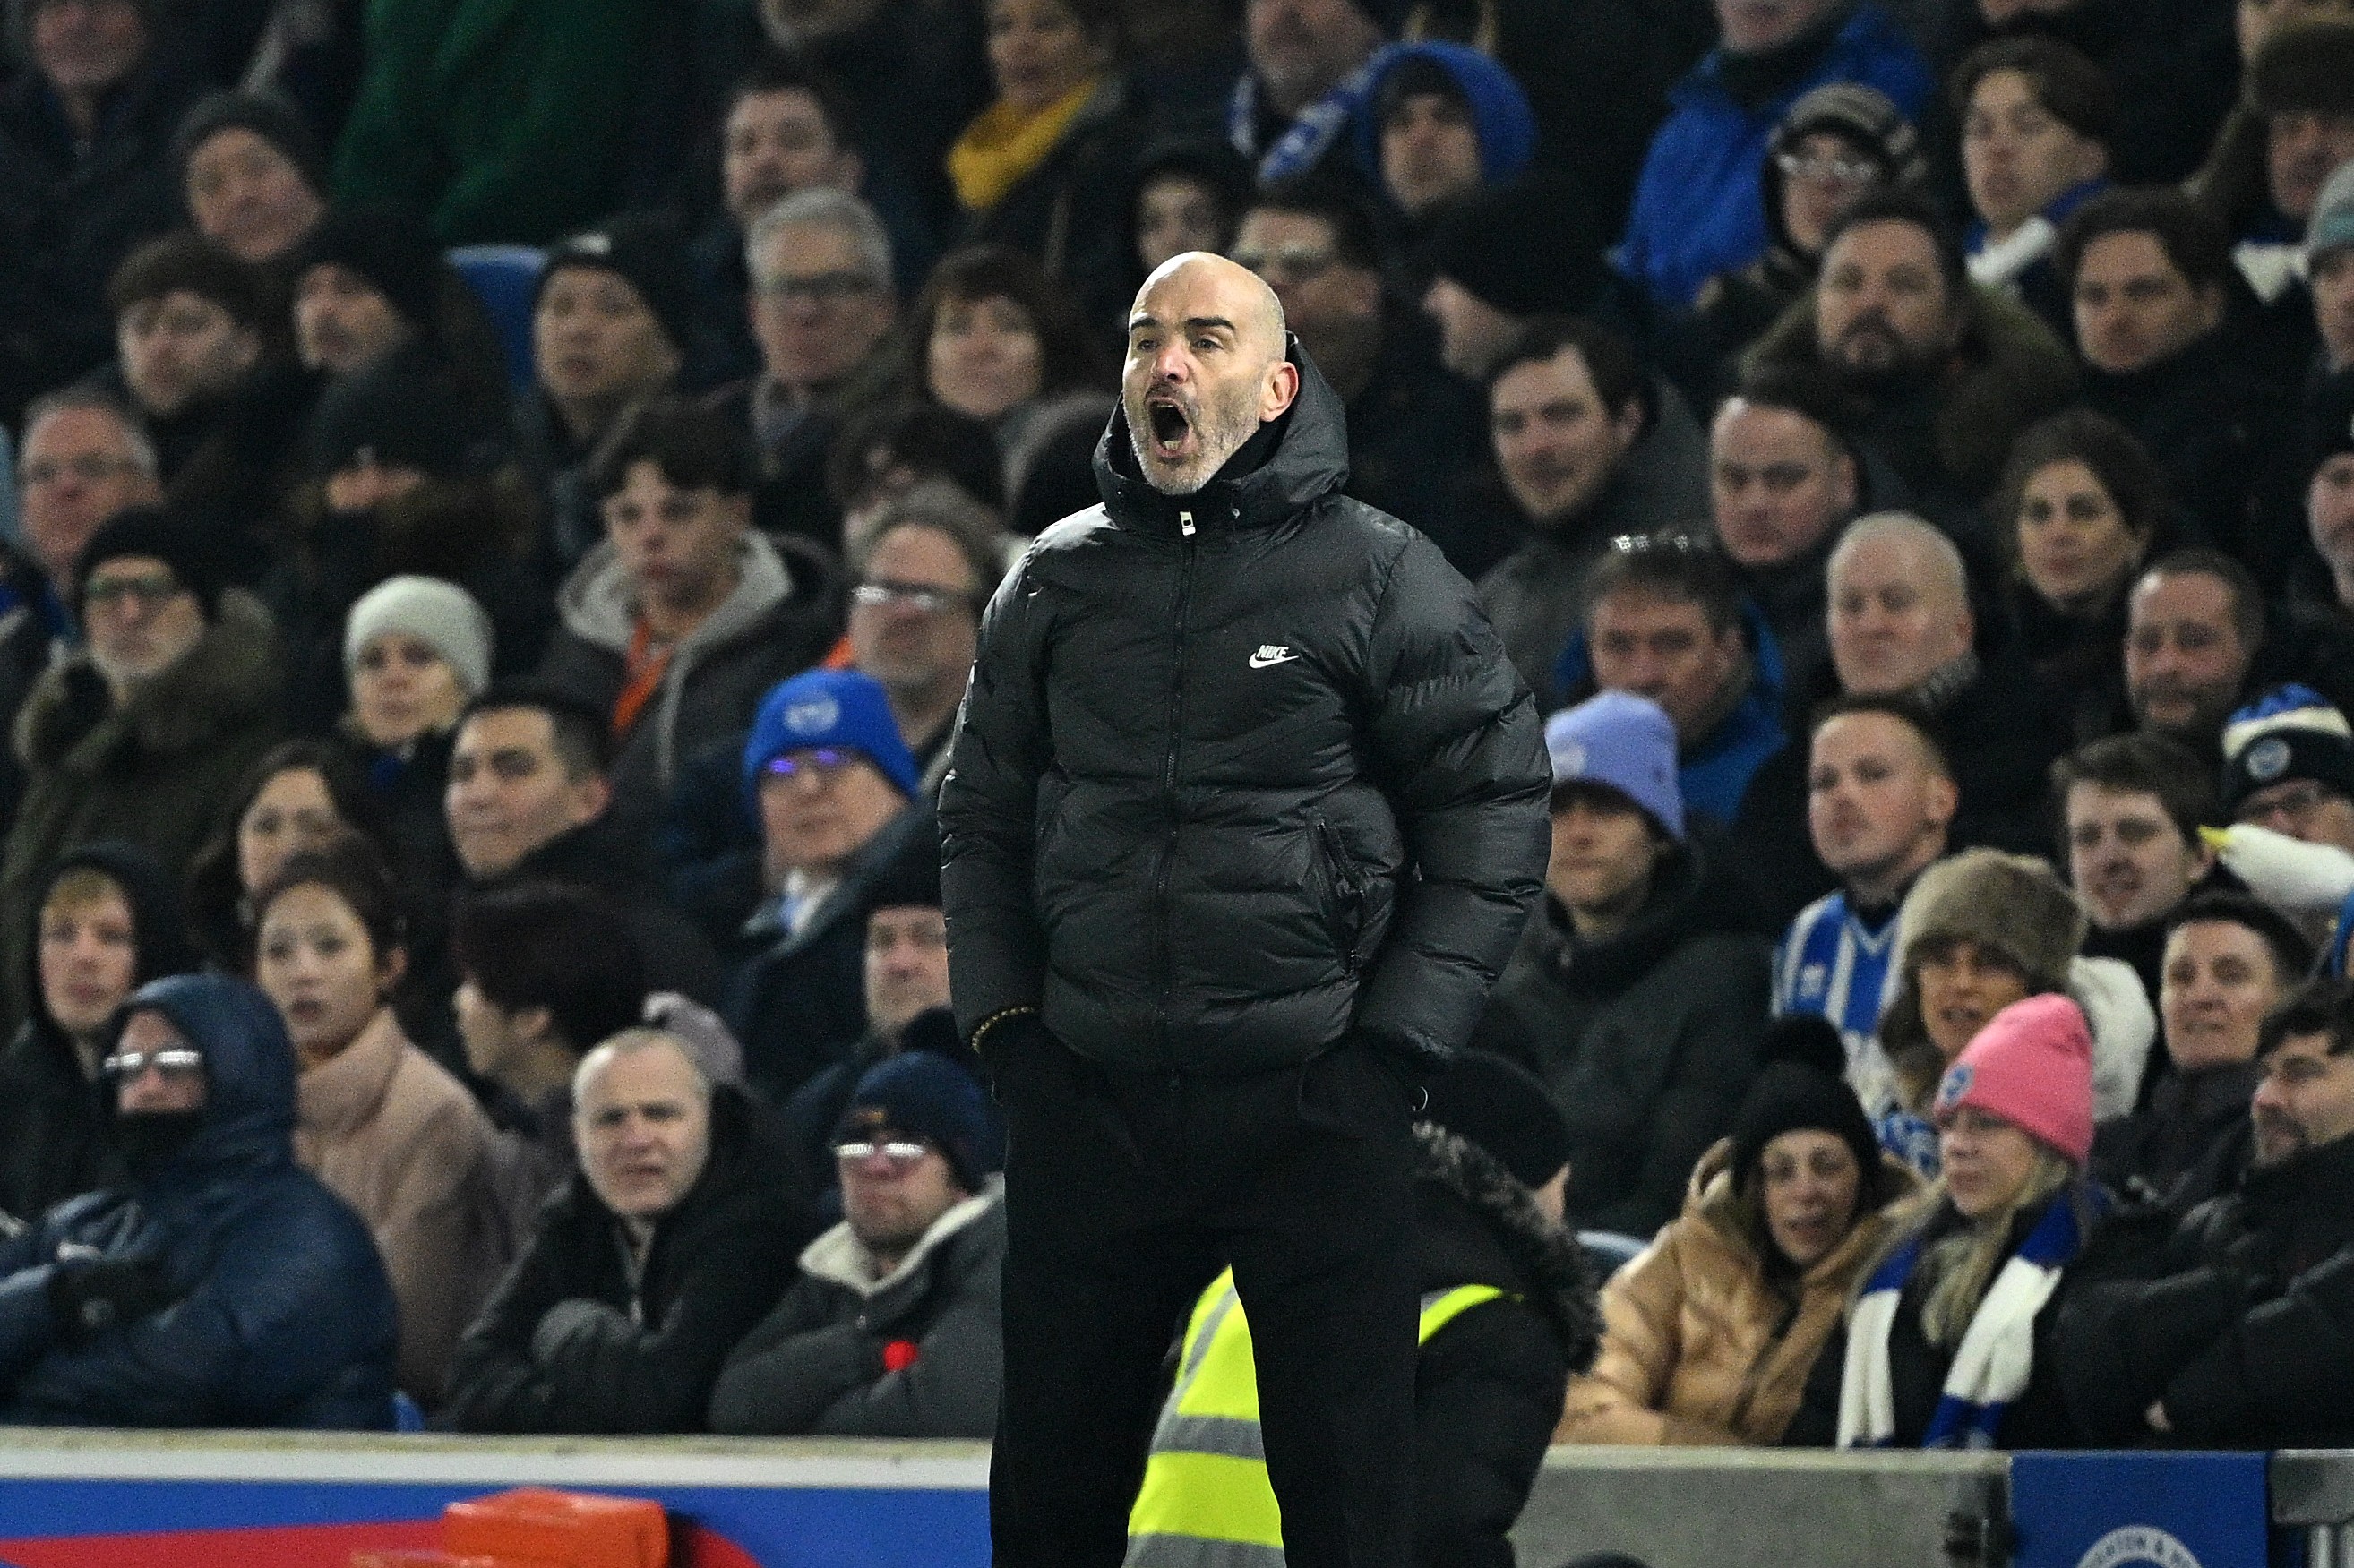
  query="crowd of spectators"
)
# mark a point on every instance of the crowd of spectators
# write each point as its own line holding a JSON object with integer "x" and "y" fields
{"x": 502, "y": 499}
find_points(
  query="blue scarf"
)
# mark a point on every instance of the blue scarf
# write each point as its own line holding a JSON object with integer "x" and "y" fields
{"x": 1311, "y": 132}
{"x": 1991, "y": 1365}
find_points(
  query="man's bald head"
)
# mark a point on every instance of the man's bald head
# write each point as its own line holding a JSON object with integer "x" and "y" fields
{"x": 1206, "y": 366}
{"x": 1899, "y": 604}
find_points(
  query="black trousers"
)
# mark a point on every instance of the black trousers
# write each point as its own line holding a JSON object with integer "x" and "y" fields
{"x": 1125, "y": 1195}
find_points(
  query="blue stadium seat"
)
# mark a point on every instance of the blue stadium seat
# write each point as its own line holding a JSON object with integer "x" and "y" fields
{"x": 504, "y": 278}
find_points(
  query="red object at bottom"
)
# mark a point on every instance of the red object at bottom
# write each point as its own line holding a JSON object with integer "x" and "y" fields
{"x": 539, "y": 1527}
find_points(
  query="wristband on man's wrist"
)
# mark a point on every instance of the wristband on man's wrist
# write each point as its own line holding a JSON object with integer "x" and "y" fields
{"x": 981, "y": 1031}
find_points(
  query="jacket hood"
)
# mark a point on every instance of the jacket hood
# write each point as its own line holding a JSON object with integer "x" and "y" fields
{"x": 249, "y": 1116}
{"x": 1309, "y": 461}
{"x": 159, "y": 932}
{"x": 1501, "y": 118}
{"x": 1509, "y": 1242}
{"x": 598, "y": 605}
{"x": 224, "y": 682}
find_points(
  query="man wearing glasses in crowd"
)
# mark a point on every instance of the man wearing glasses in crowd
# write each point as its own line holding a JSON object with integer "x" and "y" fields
{"x": 822, "y": 308}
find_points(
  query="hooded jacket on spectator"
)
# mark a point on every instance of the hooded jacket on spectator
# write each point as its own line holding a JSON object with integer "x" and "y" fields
{"x": 574, "y": 1339}
{"x": 779, "y": 619}
{"x": 282, "y": 1315}
{"x": 53, "y": 1133}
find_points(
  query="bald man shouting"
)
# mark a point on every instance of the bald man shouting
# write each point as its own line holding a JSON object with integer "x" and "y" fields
{"x": 1246, "y": 812}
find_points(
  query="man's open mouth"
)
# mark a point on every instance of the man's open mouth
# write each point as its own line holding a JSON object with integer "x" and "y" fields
{"x": 1171, "y": 430}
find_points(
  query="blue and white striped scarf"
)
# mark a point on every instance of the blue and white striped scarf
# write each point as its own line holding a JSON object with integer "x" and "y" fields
{"x": 1991, "y": 1366}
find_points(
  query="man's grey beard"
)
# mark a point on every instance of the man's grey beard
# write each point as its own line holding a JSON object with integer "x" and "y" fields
{"x": 1220, "y": 440}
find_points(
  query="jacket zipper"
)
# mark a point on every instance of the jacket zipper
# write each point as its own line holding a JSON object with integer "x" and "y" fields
{"x": 1351, "y": 891}
{"x": 1162, "y": 876}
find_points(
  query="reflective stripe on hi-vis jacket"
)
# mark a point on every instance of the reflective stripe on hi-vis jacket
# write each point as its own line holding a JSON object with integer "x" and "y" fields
{"x": 1206, "y": 1502}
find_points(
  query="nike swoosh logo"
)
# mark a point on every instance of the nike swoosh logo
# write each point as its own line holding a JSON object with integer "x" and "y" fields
{"x": 1267, "y": 661}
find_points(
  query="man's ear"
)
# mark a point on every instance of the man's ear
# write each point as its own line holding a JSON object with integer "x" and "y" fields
{"x": 1282, "y": 386}
{"x": 533, "y": 1022}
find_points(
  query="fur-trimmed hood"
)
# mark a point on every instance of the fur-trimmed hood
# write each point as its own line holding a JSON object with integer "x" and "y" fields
{"x": 1525, "y": 1252}
{"x": 220, "y": 685}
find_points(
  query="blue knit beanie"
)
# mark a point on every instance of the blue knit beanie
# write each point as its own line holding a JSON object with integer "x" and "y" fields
{"x": 828, "y": 708}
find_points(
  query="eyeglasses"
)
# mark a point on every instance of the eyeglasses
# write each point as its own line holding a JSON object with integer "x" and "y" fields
{"x": 1644, "y": 543}
{"x": 818, "y": 287}
{"x": 1295, "y": 261}
{"x": 172, "y": 1061}
{"x": 1829, "y": 171}
{"x": 147, "y": 593}
{"x": 90, "y": 469}
{"x": 898, "y": 1153}
{"x": 820, "y": 763}
{"x": 921, "y": 598}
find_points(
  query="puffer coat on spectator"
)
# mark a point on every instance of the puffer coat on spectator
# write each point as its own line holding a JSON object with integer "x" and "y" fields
{"x": 282, "y": 1315}
{"x": 1699, "y": 1345}
{"x": 1240, "y": 771}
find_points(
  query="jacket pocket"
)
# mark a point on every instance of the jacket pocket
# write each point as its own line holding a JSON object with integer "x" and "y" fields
{"x": 1345, "y": 907}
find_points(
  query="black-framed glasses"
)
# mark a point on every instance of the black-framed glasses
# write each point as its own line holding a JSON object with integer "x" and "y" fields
{"x": 819, "y": 288}
{"x": 815, "y": 762}
{"x": 172, "y": 1061}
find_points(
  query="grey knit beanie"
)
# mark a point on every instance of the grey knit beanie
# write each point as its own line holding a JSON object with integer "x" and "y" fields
{"x": 439, "y": 613}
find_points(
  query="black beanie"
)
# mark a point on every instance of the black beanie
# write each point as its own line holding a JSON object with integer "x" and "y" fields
{"x": 646, "y": 252}
{"x": 401, "y": 409}
{"x": 1499, "y": 1105}
{"x": 265, "y": 114}
{"x": 158, "y": 535}
{"x": 392, "y": 250}
{"x": 1526, "y": 249}
{"x": 910, "y": 878}
{"x": 1800, "y": 1089}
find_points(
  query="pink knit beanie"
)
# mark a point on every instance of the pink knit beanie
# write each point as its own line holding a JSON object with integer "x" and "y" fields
{"x": 2032, "y": 1066}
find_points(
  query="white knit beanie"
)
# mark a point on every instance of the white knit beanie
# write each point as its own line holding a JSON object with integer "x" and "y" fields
{"x": 439, "y": 613}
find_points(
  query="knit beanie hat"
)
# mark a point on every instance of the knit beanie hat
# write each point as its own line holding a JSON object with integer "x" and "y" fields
{"x": 439, "y": 614}
{"x": 910, "y": 879}
{"x": 1626, "y": 743}
{"x": 2290, "y": 732}
{"x": 2014, "y": 903}
{"x": 2331, "y": 227}
{"x": 157, "y": 534}
{"x": 1801, "y": 1088}
{"x": 392, "y": 250}
{"x": 1865, "y": 119}
{"x": 187, "y": 262}
{"x": 645, "y": 251}
{"x": 266, "y": 115}
{"x": 718, "y": 1055}
{"x": 402, "y": 412}
{"x": 2307, "y": 68}
{"x": 1502, "y": 123}
{"x": 819, "y": 708}
{"x": 2032, "y": 1066}
{"x": 1525, "y": 249}
{"x": 1482, "y": 1099}
{"x": 932, "y": 1097}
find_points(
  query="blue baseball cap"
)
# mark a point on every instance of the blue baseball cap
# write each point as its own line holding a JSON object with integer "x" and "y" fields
{"x": 828, "y": 709}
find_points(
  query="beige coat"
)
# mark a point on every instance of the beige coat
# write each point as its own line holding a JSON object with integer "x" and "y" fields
{"x": 1694, "y": 1345}
{"x": 395, "y": 1136}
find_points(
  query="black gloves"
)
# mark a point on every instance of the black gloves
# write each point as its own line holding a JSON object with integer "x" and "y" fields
{"x": 89, "y": 1296}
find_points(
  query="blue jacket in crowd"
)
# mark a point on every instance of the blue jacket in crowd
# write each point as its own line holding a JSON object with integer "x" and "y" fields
{"x": 1713, "y": 776}
{"x": 280, "y": 1312}
{"x": 1699, "y": 209}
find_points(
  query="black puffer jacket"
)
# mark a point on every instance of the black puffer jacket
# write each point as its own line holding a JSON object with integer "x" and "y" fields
{"x": 1238, "y": 771}
{"x": 571, "y": 1342}
{"x": 2241, "y": 1321}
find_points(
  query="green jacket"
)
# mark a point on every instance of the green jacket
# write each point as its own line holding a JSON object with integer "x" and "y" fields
{"x": 161, "y": 770}
{"x": 504, "y": 120}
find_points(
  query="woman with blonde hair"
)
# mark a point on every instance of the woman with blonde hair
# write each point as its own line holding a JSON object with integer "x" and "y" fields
{"x": 1709, "y": 1335}
{"x": 1949, "y": 1343}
